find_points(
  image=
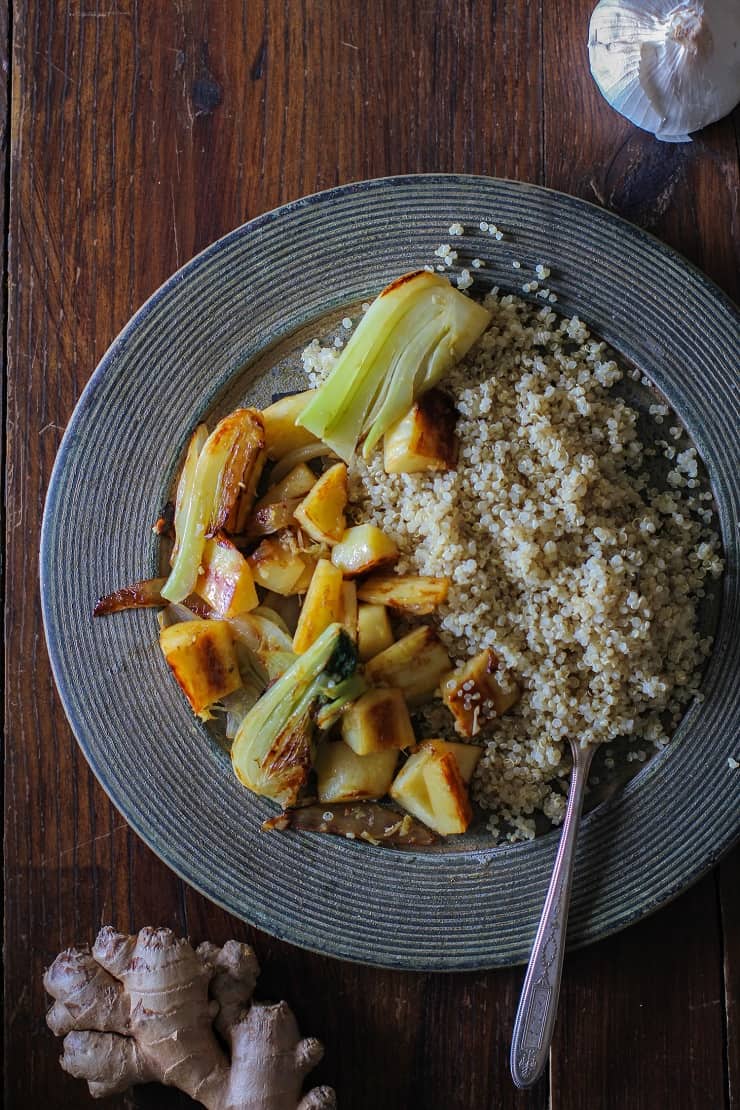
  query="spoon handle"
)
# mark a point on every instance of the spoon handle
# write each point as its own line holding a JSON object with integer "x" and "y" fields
{"x": 535, "y": 1017}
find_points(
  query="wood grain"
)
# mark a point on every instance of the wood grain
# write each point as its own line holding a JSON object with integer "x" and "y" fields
{"x": 141, "y": 130}
{"x": 649, "y": 1002}
{"x": 729, "y": 892}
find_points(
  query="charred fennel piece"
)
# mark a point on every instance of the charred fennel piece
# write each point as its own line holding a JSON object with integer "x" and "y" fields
{"x": 272, "y": 750}
{"x": 186, "y": 483}
{"x": 224, "y": 475}
{"x": 368, "y": 821}
{"x": 342, "y": 696}
{"x": 415, "y": 330}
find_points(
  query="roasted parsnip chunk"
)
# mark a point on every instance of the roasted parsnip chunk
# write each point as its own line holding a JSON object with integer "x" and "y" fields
{"x": 415, "y": 664}
{"x": 363, "y": 548}
{"x": 203, "y": 660}
{"x": 349, "y": 608}
{"x": 448, "y": 794}
{"x": 410, "y": 790}
{"x": 277, "y": 564}
{"x": 374, "y": 632}
{"x": 226, "y": 581}
{"x": 296, "y": 483}
{"x": 321, "y": 512}
{"x": 431, "y": 787}
{"x": 377, "y": 721}
{"x": 474, "y": 694}
{"x": 424, "y": 439}
{"x": 416, "y": 594}
{"x": 466, "y": 755}
{"x": 344, "y": 776}
{"x": 281, "y": 432}
{"x": 323, "y": 605}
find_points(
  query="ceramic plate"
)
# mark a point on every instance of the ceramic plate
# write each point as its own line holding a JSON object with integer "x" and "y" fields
{"x": 226, "y": 328}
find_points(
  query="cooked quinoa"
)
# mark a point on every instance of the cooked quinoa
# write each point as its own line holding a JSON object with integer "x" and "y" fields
{"x": 564, "y": 557}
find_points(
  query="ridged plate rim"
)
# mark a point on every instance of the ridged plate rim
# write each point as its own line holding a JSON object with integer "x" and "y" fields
{"x": 427, "y": 912}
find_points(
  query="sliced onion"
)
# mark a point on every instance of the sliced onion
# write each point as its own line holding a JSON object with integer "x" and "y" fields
{"x": 259, "y": 633}
{"x": 301, "y": 454}
{"x": 237, "y": 705}
{"x": 270, "y": 519}
{"x": 269, "y": 614}
{"x": 176, "y": 614}
{"x": 140, "y": 595}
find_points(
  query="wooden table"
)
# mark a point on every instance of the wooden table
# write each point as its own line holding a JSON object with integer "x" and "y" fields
{"x": 136, "y": 132}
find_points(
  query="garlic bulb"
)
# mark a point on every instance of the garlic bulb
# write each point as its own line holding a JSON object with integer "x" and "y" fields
{"x": 669, "y": 67}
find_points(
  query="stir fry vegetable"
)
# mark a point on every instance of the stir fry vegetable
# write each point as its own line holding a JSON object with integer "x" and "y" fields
{"x": 272, "y": 752}
{"x": 367, "y": 821}
{"x": 215, "y": 491}
{"x": 273, "y": 596}
{"x": 413, "y": 332}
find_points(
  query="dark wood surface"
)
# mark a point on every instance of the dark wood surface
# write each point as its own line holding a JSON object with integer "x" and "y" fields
{"x": 139, "y": 131}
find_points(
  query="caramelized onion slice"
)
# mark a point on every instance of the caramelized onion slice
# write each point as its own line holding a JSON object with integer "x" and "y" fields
{"x": 140, "y": 595}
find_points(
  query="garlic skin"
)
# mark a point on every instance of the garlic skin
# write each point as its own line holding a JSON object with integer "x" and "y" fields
{"x": 669, "y": 67}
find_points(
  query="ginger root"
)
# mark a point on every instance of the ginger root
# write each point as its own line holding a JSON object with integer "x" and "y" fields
{"x": 151, "y": 1008}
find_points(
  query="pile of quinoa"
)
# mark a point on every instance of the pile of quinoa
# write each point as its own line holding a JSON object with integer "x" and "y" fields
{"x": 564, "y": 557}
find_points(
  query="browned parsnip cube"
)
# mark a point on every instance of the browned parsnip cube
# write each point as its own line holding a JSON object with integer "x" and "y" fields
{"x": 226, "y": 581}
{"x": 448, "y": 794}
{"x": 466, "y": 755}
{"x": 374, "y": 632}
{"x": 416, "y": 664}
{"x": 378, "y": 720}
{"x": 432, "y": 788}
{"x": 202, "y": 657}
{"x": 321, "y": 512}
{"x": 424, "y": 439}
{"x": 323, "y": 605}
{"x": 363, "y": 548}
{"x": 344, "y": 776}
{"x": 416, "y": 594}
{"x": 277, "y": 564}
{"x": 281, "y": 433}
{"x": 474, "y": 694}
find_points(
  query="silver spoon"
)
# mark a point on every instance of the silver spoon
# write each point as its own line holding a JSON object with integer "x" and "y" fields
{"x": 535, "y": 1017}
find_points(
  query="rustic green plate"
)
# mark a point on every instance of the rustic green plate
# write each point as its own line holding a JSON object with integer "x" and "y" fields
{"x": 226, "y": 327}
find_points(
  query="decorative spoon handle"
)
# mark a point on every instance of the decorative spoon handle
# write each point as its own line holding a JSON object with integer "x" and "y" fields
{"x": 535, "y": 1017}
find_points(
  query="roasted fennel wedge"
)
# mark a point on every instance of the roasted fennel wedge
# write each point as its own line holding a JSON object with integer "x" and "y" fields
{"x": 416, "y": 329}
{"x": 272, "y": 750}
{"x": 216, "y": 489}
